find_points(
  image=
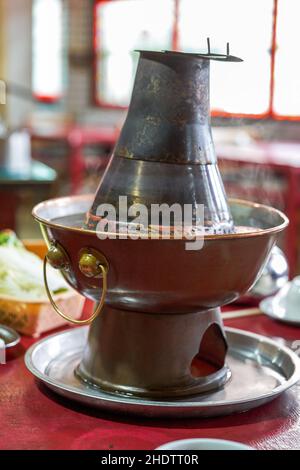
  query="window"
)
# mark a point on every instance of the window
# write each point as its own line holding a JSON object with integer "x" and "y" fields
{"x": 264, "y": 33}
{"x": 123, "y": 27}
{"x": 235, "y": 87}
{"x": 47, "y": 44}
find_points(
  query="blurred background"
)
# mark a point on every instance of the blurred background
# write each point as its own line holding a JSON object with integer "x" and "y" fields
{"x": 66, "y": 75}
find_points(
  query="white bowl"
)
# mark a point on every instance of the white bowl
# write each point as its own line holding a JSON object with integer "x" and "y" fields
{"x": 203, "y": 444}
{"x": 285, "y": 305}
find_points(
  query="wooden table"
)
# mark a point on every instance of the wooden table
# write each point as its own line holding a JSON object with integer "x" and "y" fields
{"x": 33, "y": 417}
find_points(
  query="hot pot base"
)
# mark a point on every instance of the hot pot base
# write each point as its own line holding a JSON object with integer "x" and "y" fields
{"x": 261, "y": 370}
{"x": 155, "y": 355}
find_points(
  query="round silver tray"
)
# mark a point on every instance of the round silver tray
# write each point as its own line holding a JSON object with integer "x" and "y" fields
{"x": 261, "y": 370}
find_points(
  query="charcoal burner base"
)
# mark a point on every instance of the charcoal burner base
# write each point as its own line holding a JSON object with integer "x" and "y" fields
{"x": 155, "y": 355}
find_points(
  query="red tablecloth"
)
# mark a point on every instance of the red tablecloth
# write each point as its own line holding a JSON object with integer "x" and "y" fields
{"x": 32, "y": 417}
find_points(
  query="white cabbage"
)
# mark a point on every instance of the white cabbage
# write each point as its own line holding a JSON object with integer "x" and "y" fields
{"x": 21, "y": 273}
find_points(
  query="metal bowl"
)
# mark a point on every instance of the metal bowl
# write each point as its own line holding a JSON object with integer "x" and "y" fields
{"x": 159, "y": 275}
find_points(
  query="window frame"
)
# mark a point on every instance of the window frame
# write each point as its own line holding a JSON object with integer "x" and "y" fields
{"x": 268, "y": 114}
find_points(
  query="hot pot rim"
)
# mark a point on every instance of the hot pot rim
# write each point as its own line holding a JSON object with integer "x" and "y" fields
{"x": 88, "y": 198}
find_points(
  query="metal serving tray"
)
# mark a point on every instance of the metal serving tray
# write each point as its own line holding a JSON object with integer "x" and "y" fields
{"x": 261, "y": 370}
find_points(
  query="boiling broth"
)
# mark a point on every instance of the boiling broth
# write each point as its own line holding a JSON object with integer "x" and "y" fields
{"x": 77, "y": 221}
{"x": 73, "y": 220}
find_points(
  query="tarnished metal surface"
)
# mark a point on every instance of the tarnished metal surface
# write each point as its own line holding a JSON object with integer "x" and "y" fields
{"x": 169, "y": 116}
{"x": 165, "y": 153}
{"x": 261, "y": 370}
{"x": 163, "y": 183}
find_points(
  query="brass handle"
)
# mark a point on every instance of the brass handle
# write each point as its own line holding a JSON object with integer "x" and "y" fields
{"x": 97, "y": 309}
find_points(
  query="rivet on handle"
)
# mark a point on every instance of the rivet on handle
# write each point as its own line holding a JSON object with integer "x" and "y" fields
{"x": 90, "y": 262}
{"x": 57, "y": 257}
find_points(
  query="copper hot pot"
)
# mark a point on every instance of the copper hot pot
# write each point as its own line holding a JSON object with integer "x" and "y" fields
{"x": 160, "y": 332}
